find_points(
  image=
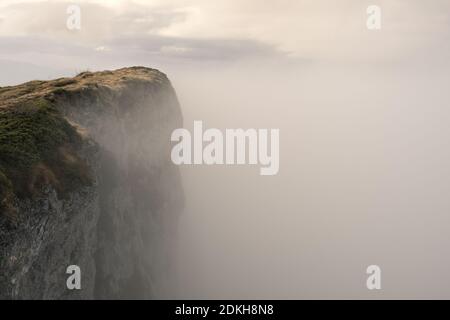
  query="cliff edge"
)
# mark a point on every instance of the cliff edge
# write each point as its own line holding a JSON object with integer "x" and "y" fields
{"x": 86, "y": 180}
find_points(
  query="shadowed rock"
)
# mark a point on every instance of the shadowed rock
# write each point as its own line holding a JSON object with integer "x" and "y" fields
{"x": 86, "y": 179}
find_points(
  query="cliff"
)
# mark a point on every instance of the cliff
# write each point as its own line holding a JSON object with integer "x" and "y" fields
{"x": 86, "y": 179}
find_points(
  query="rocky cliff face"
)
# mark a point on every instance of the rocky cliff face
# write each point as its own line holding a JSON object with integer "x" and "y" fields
{"x": 86, "y": 179}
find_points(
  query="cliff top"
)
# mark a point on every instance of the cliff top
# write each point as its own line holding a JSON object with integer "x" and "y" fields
{"x": 38, "y": 146}
{"x": 32, "y": 90}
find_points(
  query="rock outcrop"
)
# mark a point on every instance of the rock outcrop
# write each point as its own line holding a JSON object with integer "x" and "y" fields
{"x": 86, "y": 179}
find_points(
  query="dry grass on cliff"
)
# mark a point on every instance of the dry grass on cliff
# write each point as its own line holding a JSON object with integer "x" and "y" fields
{"x": 38, "y": 146}
{"x": 14, "y": 95}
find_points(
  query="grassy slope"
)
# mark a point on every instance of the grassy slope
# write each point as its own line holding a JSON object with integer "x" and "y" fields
{"x": 37, "y": 144}
{"x": 37, "y": 147}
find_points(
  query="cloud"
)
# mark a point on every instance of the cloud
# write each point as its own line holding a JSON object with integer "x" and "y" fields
{"x": 126, "y": 30}
{"x": 233, "y": 29}
{"x": 191, "y": 48}
{"x": 98, "y": 21}
{"x": 42, "y": 45}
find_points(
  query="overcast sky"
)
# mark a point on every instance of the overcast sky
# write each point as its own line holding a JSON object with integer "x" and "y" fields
{"x": 35, "y": 41}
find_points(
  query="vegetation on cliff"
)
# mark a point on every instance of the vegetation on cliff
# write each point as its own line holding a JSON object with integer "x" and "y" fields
{"x": 38, "y": 146}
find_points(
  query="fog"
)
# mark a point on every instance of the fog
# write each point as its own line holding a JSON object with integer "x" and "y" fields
{"x": 363, "y": 180}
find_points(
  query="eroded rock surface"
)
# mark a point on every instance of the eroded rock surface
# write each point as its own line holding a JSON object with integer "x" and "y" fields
{"x": 86, "y": 179}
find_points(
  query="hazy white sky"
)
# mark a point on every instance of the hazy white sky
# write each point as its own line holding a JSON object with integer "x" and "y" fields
{"x": 34, "y": 31}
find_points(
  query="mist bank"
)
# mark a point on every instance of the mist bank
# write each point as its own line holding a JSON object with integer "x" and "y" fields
{"x": 362, "y": 181}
